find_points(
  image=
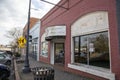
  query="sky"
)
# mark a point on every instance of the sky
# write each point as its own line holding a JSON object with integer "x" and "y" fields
{"x": 14, "y": 13}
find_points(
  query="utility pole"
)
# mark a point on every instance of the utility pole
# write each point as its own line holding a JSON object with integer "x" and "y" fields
{"x": 26, "y": 68}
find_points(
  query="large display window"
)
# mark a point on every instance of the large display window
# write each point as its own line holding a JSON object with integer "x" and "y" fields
{"x": 44, "y": 46}
{"x": 92, "y": 49}
{"x": 90, "y": 40}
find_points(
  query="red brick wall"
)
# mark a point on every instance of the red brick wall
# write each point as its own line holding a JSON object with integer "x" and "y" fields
{"x": 78, "y": 8}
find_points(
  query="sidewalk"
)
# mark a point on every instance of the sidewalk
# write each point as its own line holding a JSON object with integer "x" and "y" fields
{"x": 59, "y": 74}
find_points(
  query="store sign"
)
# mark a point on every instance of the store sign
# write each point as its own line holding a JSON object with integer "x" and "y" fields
{"x": 56, "y": 31}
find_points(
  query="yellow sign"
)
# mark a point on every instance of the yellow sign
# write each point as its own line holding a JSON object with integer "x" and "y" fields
{"x": 21, "y": 41}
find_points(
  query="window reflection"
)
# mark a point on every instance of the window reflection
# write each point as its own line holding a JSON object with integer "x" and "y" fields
{"x": 44, "y": 48}
{"x": 76, "y": 48}
{"x": 92, "y": 49}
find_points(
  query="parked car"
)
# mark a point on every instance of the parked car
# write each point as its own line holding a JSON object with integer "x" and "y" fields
{"x": 6, "y": 54}
{"x": 4, "y": 72}
{"x": 5, "y": 59}
{"x": 9, "y": 53}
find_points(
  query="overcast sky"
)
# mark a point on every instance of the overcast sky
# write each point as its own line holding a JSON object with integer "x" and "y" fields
{"x": 14, "y": 13}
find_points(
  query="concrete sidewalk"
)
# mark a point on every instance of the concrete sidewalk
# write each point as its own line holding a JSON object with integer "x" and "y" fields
{"x": 59, "y": 74}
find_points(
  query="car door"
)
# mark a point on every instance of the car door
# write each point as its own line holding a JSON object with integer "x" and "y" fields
{"x": 2, "y": 59}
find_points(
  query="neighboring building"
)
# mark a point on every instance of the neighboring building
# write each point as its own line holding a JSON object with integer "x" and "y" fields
{"x": 33, "y": 37}
{"x": 34, "y": 33}
{"x": 32, "y": 23}
{"x": 83, "y": 39}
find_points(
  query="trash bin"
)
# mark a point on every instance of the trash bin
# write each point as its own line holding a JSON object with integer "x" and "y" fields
{"x": 43, "y": 73}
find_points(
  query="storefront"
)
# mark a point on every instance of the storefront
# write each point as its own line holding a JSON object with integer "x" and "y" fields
{"x": 34, "y": 37}
{"x": 56, "y": 36}
{"x": 82, "y": 38}
{"x": 34, "y": 40}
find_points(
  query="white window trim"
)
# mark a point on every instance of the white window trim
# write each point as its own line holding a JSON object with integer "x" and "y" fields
{"x": 86, "y": 68}
{"x": 43, "y": 55}
{"x": 101, "y": 73}
{"x": 98, "y": 71}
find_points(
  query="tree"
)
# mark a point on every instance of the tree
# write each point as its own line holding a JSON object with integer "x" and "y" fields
{"x": 14, "y": 34}
{"x": 101, "y": 44}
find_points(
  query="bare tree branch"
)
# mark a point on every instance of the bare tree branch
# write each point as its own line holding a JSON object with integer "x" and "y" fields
{"x": 14, "y": 34}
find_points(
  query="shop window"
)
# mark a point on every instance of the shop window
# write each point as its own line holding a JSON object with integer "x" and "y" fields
{"x": 92, "y": 49}
{"x": 44, "y": 48}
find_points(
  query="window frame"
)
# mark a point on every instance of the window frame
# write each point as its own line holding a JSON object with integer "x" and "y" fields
{"x": 79, "y": 46}
{"x": 44, "y": 54}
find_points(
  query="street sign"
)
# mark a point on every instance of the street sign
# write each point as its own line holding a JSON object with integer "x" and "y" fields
{"x": 22, "y": 41}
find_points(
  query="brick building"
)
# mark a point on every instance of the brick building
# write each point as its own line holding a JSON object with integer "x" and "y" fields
{"x": 33, "y": 37}
{"x": 81, "y": 36}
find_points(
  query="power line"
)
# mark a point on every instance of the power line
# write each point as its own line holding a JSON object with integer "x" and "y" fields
{"x": 36, "y": 9}
{"x": 54, "y": 4}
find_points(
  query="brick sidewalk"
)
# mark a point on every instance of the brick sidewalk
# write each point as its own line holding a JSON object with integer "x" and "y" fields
{"x": 59, "y": 74}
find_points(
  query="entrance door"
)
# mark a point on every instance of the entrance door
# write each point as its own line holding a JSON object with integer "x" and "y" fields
{"x": 59, "y": 53}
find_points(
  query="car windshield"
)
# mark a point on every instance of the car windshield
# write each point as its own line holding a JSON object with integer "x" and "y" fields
{"x": 2, "y": 56}
{"x": 4, "y": 53}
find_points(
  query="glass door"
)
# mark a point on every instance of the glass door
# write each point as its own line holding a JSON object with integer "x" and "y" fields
{"x": 59, "y": 53}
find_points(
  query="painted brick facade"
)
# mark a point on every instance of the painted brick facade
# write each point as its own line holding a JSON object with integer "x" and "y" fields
{"x": 76, "y": 9}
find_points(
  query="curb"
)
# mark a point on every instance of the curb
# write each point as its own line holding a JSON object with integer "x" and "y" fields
{"x": 17, "y": 77}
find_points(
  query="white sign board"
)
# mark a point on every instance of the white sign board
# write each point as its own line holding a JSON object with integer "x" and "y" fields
{"x": 91, "y": 47}
{"x": 56, "y": 31}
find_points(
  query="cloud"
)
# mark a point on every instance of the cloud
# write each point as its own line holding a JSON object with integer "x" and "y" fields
{"x": 42, "y": 7}
{"x": 14, "y": 13}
